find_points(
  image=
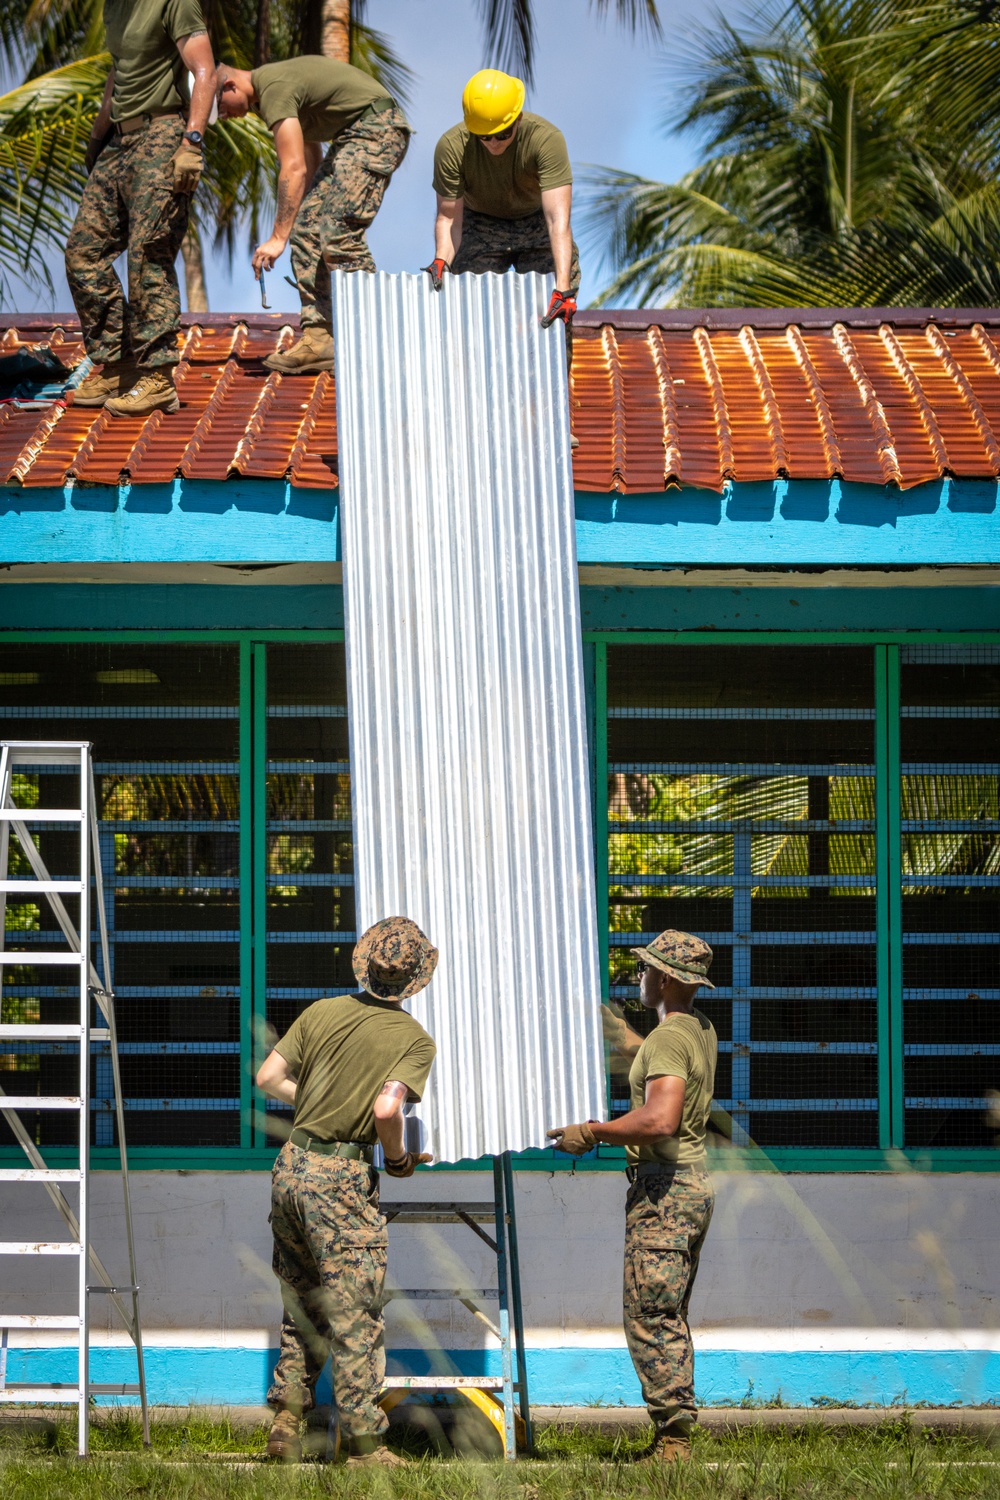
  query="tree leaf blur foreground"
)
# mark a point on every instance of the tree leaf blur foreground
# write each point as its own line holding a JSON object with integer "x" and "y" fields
{"x": 851, "y": 160}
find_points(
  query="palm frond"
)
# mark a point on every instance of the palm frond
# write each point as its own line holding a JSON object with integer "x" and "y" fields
{"x": 373, "y": 53}
{"x": 509, "y": 29}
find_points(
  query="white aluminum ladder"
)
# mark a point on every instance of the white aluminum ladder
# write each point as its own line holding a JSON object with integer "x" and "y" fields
{"x": 30, "y": 756}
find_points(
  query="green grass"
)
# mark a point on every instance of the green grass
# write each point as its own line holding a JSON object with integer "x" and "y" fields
{"x": 892, "y": 1460}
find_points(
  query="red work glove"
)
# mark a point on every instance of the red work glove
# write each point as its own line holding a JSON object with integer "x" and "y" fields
{"x": 562, "y": 305}
{"x": 436, "y": 271}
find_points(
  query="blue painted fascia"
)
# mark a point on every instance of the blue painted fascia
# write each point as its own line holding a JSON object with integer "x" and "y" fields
{"x": 780, "y": 524}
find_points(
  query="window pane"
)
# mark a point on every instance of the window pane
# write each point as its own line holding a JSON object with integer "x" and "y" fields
{"x": 950, "y": 707}
{"x": 741, "y": 807}
{"x": 164, "y": 721}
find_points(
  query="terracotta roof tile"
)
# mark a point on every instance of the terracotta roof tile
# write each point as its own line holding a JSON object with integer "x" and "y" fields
{"x": 658, "y": 398}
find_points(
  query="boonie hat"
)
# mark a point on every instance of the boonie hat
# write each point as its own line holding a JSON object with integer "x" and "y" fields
{"x": 681, "y": 955}
{"x": 394, "y": 959}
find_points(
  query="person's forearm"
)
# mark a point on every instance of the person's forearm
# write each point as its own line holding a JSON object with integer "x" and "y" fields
{"x": 291, "y": 191}
{"x": 561, "y": 241}
{"x": 391, "y": 1134}
{"x": 447, "y": 237}
{"x": 103, "y": 119}
{"x": 201, "y": 99}
{"x": 640, "y": 1127}
{"x": 283, "y": 1090}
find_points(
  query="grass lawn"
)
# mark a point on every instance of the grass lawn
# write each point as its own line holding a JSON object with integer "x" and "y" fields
{"x": 200, "y": 1460}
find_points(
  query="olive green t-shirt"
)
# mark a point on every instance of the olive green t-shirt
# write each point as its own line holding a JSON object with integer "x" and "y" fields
{"x": 341, "y": 1051}
{"x": 508, "y": 186}
{"x": 682, "y": 1046}
{"x": 326, "y": 96}
{"x": 142, "y": 38}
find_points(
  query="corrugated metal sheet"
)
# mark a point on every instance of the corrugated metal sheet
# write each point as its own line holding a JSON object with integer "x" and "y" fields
{"x": 659, "y": 398}
{"x": 466, "y": 690}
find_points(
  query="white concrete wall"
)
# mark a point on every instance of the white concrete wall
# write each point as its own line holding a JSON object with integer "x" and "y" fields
{"x": 802, "y": 1254}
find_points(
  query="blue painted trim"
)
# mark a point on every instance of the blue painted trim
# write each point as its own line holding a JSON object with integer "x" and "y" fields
{"x": 239, "y": 1377}
{"x": 794, "y": 521}
{"x": 775, "y": 523}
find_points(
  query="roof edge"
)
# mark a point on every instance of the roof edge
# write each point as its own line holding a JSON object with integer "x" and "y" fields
{"x": 681, "y": 318}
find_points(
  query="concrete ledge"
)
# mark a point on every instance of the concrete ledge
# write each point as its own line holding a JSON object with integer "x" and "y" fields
{"x": 983, "y": 1421}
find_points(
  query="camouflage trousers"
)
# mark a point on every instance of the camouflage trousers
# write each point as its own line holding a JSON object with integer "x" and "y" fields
{"x": 345, "y": 196}
{"x": 666, "y": 1220}
{"x": 129, "y": 204}
{"x": 490, "y": 244}
{"x": 330, "y": 1242}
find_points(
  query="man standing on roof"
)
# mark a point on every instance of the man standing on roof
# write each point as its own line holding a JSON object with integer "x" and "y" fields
{"x": 348, "y": 1065}
{"x": 144, "y": 159}
{"x": 504, "y": 191}
{"x": 325, "y": 203}
{"x": 670, "y": 1199}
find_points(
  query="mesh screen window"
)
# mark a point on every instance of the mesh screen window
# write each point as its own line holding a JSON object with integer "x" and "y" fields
{"x": 741, "y": 805}
{"x": 950, "y": 835}
{"x": 164, "y": 721}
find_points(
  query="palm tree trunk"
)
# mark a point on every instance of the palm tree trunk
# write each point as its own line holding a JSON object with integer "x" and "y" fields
{"x": 262, "y": 41}
{"x": 335, "y": 30}
{"x": 194, "y": 272}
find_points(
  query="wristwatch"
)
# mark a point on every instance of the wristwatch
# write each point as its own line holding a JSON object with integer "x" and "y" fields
{"x": 196, "y": 138}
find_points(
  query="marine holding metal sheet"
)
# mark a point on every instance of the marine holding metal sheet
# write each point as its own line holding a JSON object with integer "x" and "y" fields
{"x": 504, "y": 190}
{"x": 348, "y": 1064}
{"x": 670, "y": 1197}
{"x": 325, "y": 203}
{"x": 144, "y": 160}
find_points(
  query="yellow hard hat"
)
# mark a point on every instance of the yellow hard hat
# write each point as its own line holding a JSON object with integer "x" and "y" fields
{"x": 491, "y": 101}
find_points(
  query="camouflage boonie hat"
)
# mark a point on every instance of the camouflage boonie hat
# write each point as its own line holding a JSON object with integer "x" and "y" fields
{"x": 393, "y": 959}
{"x": 680, "y": 954}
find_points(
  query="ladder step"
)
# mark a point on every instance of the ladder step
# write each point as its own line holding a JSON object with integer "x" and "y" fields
{"x": 33, "y": 887}
{"x": 40, "y": 1320}
{"x": 39, "y": 1174}
{"x": 40, "y": 1247}
{"x": 22, "y": 1031}
{"x": 31, "y": 957}
{"x": 40, "y": 1101}
{"x": 441, "y": 1294}
{"x": 441, "y": 1382}
{"x": 40, "y": 815}
{"x": 113, "y": 1390}
{"x": 23, "y": 1393}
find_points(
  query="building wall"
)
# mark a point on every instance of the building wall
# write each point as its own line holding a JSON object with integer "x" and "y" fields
{"x": 813, "y": 1288}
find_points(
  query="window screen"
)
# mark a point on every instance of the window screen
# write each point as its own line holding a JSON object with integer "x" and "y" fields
{"x": 950, "y": 753}
{"x": 310, "y": 850}
{"x": 164, "y": 721}
{"x": 741, "y": 808}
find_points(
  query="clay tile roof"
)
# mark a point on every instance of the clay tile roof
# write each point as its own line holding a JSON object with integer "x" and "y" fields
{"x": 881, "y": 396}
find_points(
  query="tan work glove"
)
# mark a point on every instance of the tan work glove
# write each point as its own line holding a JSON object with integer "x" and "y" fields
{"x": 576, "y": 1139}
{"x": 406, "y": 1165}
{"x": 186, "y": 166}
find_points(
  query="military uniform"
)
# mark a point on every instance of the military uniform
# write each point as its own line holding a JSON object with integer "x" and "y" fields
{"x": 670, "y": 1198}
{"x": 503, "y": 225}
{"x": 128, "y": 202}
{"x": 369, "y": 135}
{"x": 330, "y": 1238}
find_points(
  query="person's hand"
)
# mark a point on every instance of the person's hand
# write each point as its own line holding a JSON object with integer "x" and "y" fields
{"x": 266, "y": 254}
{"x": 406, "y": 1165}
{"x": 95, "y": 146}
{"x": 436, "y": 270}
{"x": 577, "y": 1140}
{"x": 186, "y": 167}
{"x": 561, "y": 305}
{"x": 614, "y": 1028}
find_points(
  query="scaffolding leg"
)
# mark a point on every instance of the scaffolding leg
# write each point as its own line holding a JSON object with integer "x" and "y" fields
{"x": 506, "y": 1361}
{"x": 517, "y": 1309}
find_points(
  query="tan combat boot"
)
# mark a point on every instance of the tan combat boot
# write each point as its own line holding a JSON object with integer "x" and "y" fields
{"x": 283, "y": 1439}
{"x": 98, "y": 387}
{"x": 669, "y": 1448}
{"x": 153, "y": 391}
{"x": 312, "y": 354}
{"x": 379, "y": 1458}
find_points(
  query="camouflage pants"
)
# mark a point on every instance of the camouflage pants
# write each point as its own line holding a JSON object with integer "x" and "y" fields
{"x": 490, "y": 244}
{"x": 129, "y": 204}
{"x": 345, "y": 196}
{"x": 666, "y": 1220}
{"x": 330, "y": 1243}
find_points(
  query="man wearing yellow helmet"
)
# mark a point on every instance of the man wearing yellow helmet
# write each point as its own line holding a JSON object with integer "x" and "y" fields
{"x": 504, "y": 189}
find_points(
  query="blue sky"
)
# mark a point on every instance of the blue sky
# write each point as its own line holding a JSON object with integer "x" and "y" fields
{"x": 605, "y": 89}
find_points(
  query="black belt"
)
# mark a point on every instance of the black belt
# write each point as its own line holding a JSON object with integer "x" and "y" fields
{"x": 652, "y": 1169}
{"x": 140, "y": 122}
{"x": 352, "y": 1150}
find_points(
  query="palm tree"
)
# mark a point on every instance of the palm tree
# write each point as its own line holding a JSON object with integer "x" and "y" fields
{"x": 56, "y": 47}
{"x": 851, "y": 153}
